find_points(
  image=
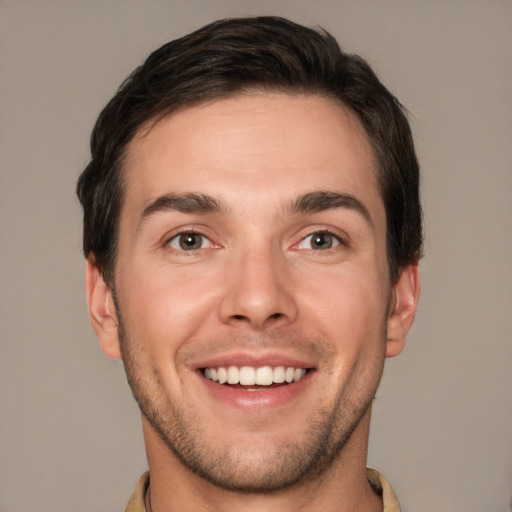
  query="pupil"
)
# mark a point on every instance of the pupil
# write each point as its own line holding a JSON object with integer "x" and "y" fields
{"x": 190, "y": 241}
{"x": 322, "y": 241}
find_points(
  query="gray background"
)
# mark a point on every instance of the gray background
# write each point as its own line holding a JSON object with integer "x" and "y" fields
{"x": 442, "y": 432}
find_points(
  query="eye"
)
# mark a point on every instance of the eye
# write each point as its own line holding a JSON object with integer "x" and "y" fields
{"x": 189, "y": 242}
{"x": 320, "y": 241}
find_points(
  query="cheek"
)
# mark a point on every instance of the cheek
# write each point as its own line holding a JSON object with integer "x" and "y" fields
{"x": 167, "y": 308}
{"x": 349, "y": 306}
{"x": 349, "y": 312}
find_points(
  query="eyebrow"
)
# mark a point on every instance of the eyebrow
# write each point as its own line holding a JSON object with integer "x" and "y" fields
{"x": 191, "y": 202}
{"x": 314, "y": 202}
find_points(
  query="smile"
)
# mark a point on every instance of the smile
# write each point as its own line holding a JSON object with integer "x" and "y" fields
{"x": 250, "y": 376}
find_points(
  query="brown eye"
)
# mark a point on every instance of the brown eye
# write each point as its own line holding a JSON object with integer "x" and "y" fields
{"x": 189, "y": 242}
{"x": 320, "y": 241}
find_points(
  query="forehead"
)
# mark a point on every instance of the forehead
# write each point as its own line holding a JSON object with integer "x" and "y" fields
{"x": 264, "y": 146}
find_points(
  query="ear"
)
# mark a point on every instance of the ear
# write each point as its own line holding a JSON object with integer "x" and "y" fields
{"x": 102, "y": 311}
{"x": 404, "y": 301}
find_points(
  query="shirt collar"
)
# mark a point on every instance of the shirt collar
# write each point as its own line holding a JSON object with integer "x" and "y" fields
{"x": 377, "y": 481}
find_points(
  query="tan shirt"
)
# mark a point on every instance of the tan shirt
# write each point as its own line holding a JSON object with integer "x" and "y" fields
{"x": 378, "y": 482}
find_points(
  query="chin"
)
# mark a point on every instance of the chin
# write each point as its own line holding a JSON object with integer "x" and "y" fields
{"x": 254, "y": 464}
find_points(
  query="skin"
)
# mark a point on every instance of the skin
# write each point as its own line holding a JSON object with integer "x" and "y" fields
{"x": 256, "y": 289}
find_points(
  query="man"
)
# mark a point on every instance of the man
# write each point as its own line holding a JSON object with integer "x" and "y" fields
{"x": 252, "y": 229}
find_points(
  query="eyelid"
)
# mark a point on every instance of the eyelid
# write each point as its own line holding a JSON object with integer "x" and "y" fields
{"x": 184, "y": 230}
{"x": 341, "y": 237}
{"x": 177, "y": 237}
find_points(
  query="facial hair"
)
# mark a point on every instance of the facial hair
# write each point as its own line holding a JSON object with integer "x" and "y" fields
{"x": 261, "y": 471}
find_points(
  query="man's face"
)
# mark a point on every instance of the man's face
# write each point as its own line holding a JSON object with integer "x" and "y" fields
{"x": 252, "y": 246}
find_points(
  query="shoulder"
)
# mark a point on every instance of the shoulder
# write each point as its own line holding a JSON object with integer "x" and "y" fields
{"x": 136, "y": 503}
{"x": 382, "y": 487}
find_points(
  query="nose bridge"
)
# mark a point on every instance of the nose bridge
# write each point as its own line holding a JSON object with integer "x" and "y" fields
{"x": 258, "y": 292}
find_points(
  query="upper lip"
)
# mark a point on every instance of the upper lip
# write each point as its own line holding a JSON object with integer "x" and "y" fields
{"x": 254, "y": 360}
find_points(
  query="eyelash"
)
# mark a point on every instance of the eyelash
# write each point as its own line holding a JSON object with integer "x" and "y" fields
{"x": 336, "y": 237}
{"x": 176, "y": 237}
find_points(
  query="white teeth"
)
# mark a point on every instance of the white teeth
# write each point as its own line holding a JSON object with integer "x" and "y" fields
{"x": 223, "y": 375}
{"x": 233, "y": 375}
{"x": 264, "y": 376}
{"x": 296, "y": 374}
{"x": 249, "y": 376}
{"x": 279, "y": 374}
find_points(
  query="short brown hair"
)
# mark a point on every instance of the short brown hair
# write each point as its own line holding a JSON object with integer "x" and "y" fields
{"x": 234, "y": 55}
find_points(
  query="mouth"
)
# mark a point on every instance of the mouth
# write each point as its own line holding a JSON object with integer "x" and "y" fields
{"x": 254, "y": 378}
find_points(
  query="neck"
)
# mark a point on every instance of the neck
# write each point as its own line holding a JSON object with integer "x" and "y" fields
{"x": 342, "y": 487}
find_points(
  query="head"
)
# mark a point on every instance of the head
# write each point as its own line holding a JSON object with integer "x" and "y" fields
{"x": 252, "y": 209}
{"x": 235, "y": 55}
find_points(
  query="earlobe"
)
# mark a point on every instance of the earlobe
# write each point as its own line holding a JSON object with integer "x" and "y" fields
{"x": 102, "y": 311}
{"x": 406, "y": 294}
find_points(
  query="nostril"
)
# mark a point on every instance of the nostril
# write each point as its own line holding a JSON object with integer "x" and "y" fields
{"x": 272, "y": 318}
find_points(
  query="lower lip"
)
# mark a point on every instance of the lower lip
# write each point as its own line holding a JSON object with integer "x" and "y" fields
{"x": 258, "y": 400}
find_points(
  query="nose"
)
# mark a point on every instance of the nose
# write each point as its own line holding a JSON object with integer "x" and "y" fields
{"x": 258, "y": 292}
